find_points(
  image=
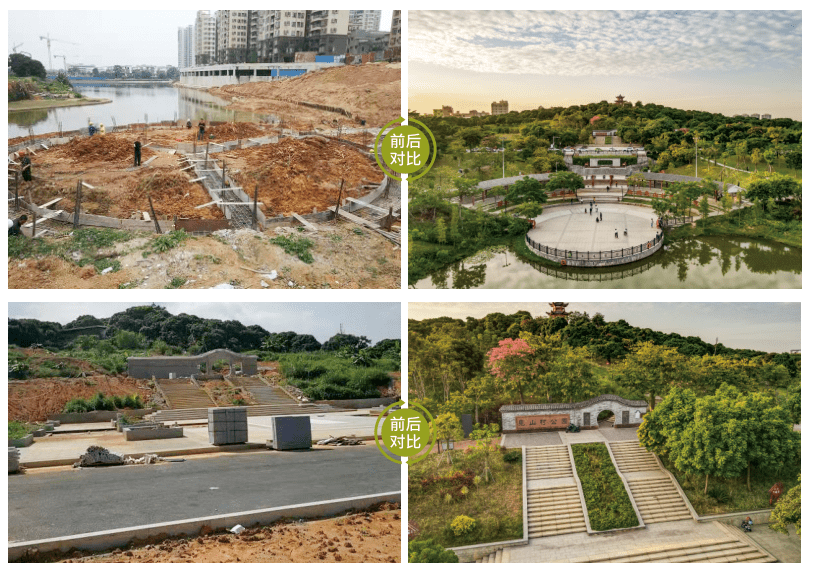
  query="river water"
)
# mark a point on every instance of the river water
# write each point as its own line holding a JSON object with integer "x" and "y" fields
{"x": 129, "y": 105}
{"x": 694, "y": 263}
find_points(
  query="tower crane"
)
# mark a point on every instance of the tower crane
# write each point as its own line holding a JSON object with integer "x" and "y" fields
{"x": 48, "y": 39}
{"x": 64, "y": 62}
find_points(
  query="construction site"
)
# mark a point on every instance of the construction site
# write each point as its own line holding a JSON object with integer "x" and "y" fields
{"x": 295, "y": 202}
{"x": 214, "y": 503}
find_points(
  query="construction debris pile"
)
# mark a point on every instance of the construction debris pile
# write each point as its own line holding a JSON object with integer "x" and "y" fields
{"x": 107, "y": 148}
{"x": 300, "y": 175}
{"x": 13, "y": 460}
{"x": 235, "y": 131}
{"x": 100, "y": 456}
{"x": 172, "y": 196}
{"x": 340, "y": 441}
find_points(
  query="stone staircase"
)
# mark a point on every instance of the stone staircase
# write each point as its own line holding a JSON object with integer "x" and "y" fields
{"x": 184, "y": 394}
{"x": 632, "y": 457}
{"x": 547, "y": 462}
{"x": 655, "y": 495}
{"x": 492, "y": 558}
{"x": 732, "y": 546}
{"x": 553, "y": 508}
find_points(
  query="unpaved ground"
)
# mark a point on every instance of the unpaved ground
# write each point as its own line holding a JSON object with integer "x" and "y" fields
{"x": 364, "y": 537}
{"x": 371, "y": 92}
{"x": 302, "y": 175}
{"x": 34, "y": 399}
{"x": 224, "y": 394}
{"x": 345, "y": 257}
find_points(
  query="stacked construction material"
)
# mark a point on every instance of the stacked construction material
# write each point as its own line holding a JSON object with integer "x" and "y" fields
{"x": 13, "y": 460}
{"x": 228, "y": 425}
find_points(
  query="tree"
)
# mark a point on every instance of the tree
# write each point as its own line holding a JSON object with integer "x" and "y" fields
{"x": 471, "y": 136}
{"x": 529, "y": 209}
{"x": 794, "y": 160}
{"x": 756, "y": 157}
{"x": 571, "y": 377}
{"x": 726, "y": 202}
{"x": 788, "y": 510}
{"x": 482, "y": 391}
{"x": 565, "y": 180}
{"x": 340, "y": 340}
{"x": 776, "y": 187}
{"x": 636, "y": 180}
{"x": 490, "y": 141}
{"x": 704, "y": 208}
{"x": 428, "y": 551}
{"x": 512, "y": 362}
{"x": 652, "y": 369}
{"x": 527, "y": 189}
{"x": 770, "y": 157}
{"x": 660, "y": 431}
{"x": 447, "y": 428}
{"x": 440, "y": 230}
{"x": 23, "y": 66}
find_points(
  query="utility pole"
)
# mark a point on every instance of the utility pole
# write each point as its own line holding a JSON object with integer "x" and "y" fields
{"x": 695, "y": 156}
{"x": 503, "y": 159}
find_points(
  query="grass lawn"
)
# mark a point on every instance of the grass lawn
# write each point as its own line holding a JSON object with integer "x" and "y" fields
{"x": 730, "y": 175}
{"x": 608, "y": 504}
{"x": 17, "y": 429}
{"x": 732, "y": 494}
{"x": 496, "y": 505}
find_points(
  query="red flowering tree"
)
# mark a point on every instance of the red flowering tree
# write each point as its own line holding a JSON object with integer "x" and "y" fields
{"x": 513, "y": 362}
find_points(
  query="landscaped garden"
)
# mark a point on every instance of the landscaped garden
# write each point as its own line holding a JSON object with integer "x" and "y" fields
{"x": 454, "y": 505}
{"x": 608, "y": 505}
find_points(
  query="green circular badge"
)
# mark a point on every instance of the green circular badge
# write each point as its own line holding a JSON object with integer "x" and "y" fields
{"x": 404, "y": 432}
{"x": 406, "y": 149}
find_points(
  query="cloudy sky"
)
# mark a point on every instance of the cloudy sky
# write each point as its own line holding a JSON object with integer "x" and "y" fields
{"x": 771, "y": 327}
{"x": 322, "y": 320}
{"x": 727, "y": 62}
{"x": 107, "y": 37}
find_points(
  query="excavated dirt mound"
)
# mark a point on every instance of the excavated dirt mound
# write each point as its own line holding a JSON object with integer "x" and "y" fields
{"x": 34, "y": 399}
{"x": 371, "y": 91}
{"x": 366, "y": 537}
{"x": 172, "y": 195}
{"x": 300, "y": 175}
{"x": 102, "y": 148}
{"x": 234, "y": 131}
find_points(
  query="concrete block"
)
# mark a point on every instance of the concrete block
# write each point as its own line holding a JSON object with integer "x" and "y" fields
{"x": 240, "y": 436}
{"x": 220, "y": 437}
{"x": 218, "y": 415}
{"x": 231, "y": 436}
{"x": 147, "y": 433}
{"x": 241, "y": 426}
{"x": 291, "y": 433}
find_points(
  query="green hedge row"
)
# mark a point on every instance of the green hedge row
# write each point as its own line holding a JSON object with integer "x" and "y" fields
{"x": 608, "y": 504}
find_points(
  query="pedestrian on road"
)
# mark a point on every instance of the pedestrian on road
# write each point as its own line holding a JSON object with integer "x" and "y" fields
{"x": 601, "y": 215}
{"x": 591, "y": 211}
{"x": 596, "y": 219}
{"x": 585, "y": 211}
{"x": 651, "y": 222}
{"x": 137, "y": 151}
{"x": 616, "y": 233}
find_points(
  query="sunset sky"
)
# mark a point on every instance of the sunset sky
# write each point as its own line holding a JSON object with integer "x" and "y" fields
{"x": 727, "y": 62}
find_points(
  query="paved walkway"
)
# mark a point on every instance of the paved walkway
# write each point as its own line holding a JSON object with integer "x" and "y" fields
{"x": 786, "y": 548}
{"x": 71, "y": 445}
{"x": 572, "y": 229}
{"x": 518, "y": 440}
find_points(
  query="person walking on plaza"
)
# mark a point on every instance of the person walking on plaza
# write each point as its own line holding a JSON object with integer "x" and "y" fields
{"x": 596, "y": 219}
{"x": 652, "y": 222}
{"x": 137, "y": 152}
{"x": 616, "y": 233}
{"x": 201, "y": 129}
{"x": 601, "y": 215}
{"x": 591, "y": 211}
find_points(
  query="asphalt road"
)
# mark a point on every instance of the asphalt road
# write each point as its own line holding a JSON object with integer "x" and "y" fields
{"x": 77, "y": 501}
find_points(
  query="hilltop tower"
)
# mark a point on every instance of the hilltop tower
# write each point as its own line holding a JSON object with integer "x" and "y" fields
{"x": 558, "y": 310}
{"x": 619, "y": 100}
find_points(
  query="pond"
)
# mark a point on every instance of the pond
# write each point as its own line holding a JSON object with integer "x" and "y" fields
{"x": 130, "y": 105}
{"x": 714, "y": 262}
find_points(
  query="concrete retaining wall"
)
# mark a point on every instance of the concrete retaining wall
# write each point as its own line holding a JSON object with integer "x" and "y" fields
{"x": 232, "y": 74}
{"x": 122, "y": 536}
{"x": 187, "y": 366}
{"x": 609, "y": 262}
{"x": 27, "y": 440}
{"x": 97, "y": 416}
{"x": 146, "y": 433}
{"x": 359, "y": 403}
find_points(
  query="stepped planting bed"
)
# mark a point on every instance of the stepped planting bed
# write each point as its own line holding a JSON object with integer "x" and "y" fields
{"x": 608, "y": 504}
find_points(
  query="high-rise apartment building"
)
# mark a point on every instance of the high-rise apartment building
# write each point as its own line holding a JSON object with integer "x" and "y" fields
{"x": 327, "y": 31}
{"x": 232, "y": 36}
{"x": 186, "y": 47}
{"x": 395, "y": 36}
{"x": 369, "y": 20}
{"x": 205, "y": 34}
{"x": 281, "y": 33}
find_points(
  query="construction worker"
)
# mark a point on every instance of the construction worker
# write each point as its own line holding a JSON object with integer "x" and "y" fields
{"x": 189, "y": 123}
{"x": 101, "y": 129}
{"x": 14, "y": 225}
{"x": 201, "y": 129}
{"x": 137, "y": 150}
{"x": 26, "y": 167}
{"x": 91, "y": 129}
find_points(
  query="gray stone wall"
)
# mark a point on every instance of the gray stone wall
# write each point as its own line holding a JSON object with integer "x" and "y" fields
{"x": 161, "y": 367}
{"x": 583, "y": 414}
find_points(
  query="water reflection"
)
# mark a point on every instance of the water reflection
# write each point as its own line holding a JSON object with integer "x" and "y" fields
{"x": 706, "y": 262}
{"x": 130, "y": 104}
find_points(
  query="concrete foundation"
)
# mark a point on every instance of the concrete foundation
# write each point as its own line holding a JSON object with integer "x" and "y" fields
{"x": 583, "y": 414}
{"x": 161, "y": 367}
{"x": 228, "y": 425}
{"x": 151, "y": 433}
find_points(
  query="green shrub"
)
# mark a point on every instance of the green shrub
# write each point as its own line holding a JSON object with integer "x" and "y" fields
{"x": 462, "y": 525}
{"x": 428, "y": 551}
{"x": 513, "y": 455}
{"x": 17, "y": 429}
{"x": 608, "y": 505}
{"x": 720, "y": 494}
{"x": 100, "y": 402}
{"x": 299, "y": 246}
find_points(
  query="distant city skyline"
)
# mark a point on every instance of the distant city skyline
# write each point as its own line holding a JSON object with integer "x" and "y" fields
{"x": 105, "y": 38}
{"x": 769, "y": 327}
{"x": 727, "y": 62}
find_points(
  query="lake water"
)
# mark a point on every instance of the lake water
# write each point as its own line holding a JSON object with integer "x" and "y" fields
{"x": 129, "y": 105}
{"x": 694, "y": 263}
